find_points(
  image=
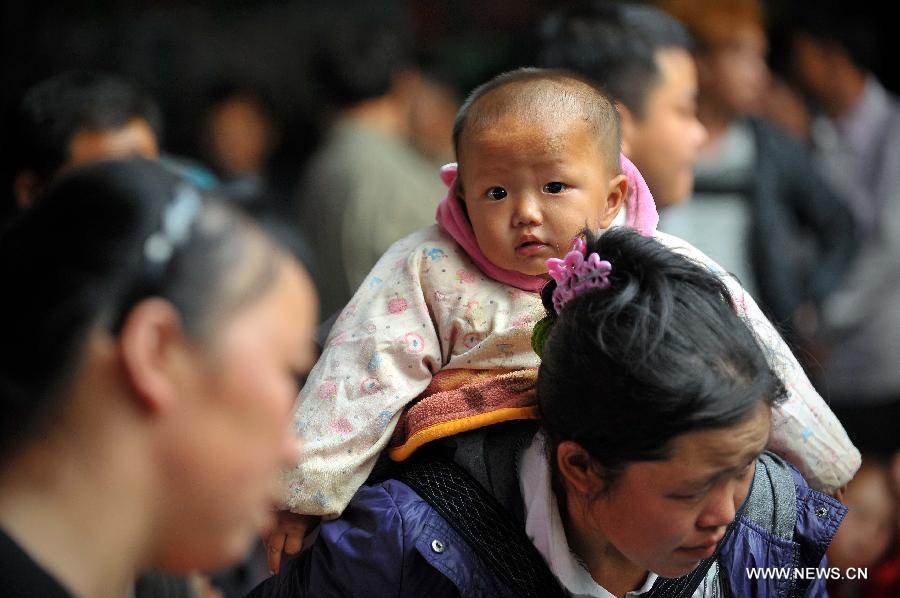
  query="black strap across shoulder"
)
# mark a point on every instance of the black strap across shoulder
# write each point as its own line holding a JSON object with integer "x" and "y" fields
{"x": 486, "y": 526}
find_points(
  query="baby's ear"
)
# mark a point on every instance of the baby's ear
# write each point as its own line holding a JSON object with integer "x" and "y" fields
{"x": 615, "y": 199}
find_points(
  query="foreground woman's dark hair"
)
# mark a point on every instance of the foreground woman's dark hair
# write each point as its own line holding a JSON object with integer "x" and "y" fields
{"x": 658, "y": 353}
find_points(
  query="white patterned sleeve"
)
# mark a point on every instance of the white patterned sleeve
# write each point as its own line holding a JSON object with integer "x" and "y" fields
{"x": 381, "y": 353}
{"x": 804, "y": 429}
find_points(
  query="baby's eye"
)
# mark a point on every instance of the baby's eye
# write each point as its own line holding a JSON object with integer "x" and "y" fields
{"x": 554, "y": 187}
{"x": 496, "y": 193}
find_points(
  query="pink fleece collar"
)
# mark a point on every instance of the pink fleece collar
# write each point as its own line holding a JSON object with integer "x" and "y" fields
{"x": 640, "y": 214}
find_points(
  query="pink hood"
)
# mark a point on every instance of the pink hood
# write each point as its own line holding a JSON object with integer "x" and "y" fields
{"x": 640, "y": 214}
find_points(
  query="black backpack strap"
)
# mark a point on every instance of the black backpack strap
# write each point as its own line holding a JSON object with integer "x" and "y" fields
{"x": 681, "y": 587}
{"x": 486, "y": 525}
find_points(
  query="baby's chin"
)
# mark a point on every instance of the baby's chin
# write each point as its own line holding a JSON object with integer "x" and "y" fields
{"x": 534, "y": 267}
{"x": 535, "y": 272}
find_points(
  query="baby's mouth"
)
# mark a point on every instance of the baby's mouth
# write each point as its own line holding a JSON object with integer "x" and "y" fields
{"x": 530, "y": 247}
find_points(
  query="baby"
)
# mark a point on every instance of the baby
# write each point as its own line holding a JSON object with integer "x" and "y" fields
{"x": 453, "y": 305}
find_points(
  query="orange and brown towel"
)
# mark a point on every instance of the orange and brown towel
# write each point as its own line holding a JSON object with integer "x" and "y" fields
{"x": 458, "y": 400}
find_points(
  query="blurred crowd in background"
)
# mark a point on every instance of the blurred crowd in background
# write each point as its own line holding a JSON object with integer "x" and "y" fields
{"x": 188, "y": 55}
{"x": 331, "y": 120}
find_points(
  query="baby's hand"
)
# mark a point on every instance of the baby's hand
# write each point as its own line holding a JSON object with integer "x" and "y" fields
{"x": 287, "y": 536}
{"x": 839, "y": 493}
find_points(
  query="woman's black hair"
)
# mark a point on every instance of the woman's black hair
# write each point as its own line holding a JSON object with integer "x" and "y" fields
{"x": 80, "y": 259}
{"x": 659, "y": 353}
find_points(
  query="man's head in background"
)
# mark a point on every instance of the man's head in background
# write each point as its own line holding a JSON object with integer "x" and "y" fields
{"x": 75, "y": 118}
{"x": 833, "y": 50}
{"x": 642, "y": 57}
{"x": 362, "y": 65}
{"x": 731, "y": 45}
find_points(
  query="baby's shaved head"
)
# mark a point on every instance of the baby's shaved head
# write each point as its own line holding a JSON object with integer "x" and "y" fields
{"x": 542, "y": 95}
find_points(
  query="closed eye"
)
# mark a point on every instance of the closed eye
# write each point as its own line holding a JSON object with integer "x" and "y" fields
{"x": 741, "y": 474}
{"x": 692, "y": 494}
{"x": 688, "y": 497}
{"x": 554, "y": 187}
{"x": 496, "y": 193}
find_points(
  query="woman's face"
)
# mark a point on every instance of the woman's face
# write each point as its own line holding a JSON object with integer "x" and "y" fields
{"x": 667, "y": 516}
{"x": 231, "y": 435}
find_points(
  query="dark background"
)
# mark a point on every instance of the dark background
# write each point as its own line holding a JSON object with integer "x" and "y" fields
{"x": 178, "y": 50}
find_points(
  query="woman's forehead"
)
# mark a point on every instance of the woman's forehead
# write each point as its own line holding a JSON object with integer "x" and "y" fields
{"x": 704, "y": 454}
{"x": 718, "y": 448}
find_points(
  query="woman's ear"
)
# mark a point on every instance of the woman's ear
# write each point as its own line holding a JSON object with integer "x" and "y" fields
{"x": 577, "y": 469}
{"x": 150, "y": 338}
{"x": 615, "y": 199}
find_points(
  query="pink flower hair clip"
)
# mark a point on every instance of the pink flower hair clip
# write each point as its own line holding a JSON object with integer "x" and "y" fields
{"x": 575, "y": 274}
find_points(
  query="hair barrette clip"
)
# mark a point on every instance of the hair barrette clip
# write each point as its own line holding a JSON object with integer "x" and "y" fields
{"x": 576, "y": 273}
{"x": 177, "y": 219}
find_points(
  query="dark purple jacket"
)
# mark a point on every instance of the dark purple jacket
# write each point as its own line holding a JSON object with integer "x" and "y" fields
{"x": 390, "y": 542}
